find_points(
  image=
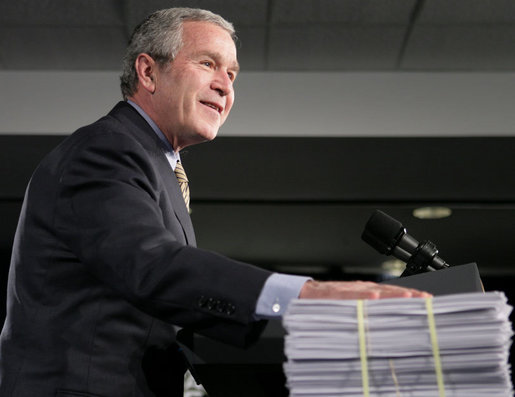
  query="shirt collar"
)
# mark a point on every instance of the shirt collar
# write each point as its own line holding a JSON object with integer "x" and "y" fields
{"x": 171, "y": 155}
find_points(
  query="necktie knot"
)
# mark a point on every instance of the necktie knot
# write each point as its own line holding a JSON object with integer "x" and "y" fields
{"x": 183, "y": 183}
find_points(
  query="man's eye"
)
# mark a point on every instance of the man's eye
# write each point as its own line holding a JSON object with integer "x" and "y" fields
{"x": 207, "y": 63}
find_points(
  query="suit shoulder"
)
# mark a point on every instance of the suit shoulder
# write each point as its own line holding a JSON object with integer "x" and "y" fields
{"x": 106, "y": 141}
{"x": 116, "y": 130}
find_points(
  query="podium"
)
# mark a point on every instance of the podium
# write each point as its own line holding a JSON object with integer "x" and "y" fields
{"x": 451, "y": 280}
{"x": 227, "y": 371}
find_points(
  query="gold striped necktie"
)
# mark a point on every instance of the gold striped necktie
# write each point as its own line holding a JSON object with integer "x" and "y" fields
{"x": 183, "y": 183}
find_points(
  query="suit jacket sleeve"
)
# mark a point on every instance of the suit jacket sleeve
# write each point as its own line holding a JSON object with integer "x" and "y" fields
{"x": 116, "y": 213}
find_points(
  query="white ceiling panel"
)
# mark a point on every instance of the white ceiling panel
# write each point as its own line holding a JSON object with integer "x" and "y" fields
{"x": 60, "y": 12}
{"x": 334, "y": 48}
{"x": 314, "y": 35}
{"x": 346, "y": 11}
{"x": 461, "y": 48}
{"x": 61, "y": 48}
{"x": 457, "y": 12}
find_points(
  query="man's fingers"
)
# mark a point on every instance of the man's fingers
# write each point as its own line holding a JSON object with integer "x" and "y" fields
{"x": 356, "y": 290}
{"x": 394, "y": 291}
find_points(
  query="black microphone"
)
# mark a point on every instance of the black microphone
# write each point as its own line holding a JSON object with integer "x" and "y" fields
{"x": 388, "y": 236}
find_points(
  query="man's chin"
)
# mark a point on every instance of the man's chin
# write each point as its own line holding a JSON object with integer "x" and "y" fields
{"x": 208, "y": 135}
{"x": 199, "y": 138}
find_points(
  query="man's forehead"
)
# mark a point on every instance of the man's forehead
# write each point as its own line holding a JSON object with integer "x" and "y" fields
{"x": 198, "y": 37}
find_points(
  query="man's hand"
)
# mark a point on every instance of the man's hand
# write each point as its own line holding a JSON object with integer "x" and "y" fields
{"x": 356, "y": 290}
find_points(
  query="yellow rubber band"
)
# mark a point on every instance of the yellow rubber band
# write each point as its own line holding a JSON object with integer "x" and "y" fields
{"x": 362, "y": 347}
{"x": 394, "y": 377}
{"x": 436, "y": 349}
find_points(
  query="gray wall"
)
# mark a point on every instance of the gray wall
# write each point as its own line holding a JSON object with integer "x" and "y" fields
{"x": 317, "y": 104}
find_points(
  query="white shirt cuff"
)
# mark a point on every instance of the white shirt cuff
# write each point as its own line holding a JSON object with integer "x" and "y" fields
{"x": 278, "y": 291}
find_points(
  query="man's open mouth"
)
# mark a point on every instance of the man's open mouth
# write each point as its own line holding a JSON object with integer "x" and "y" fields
{"x": 212, "y": 106}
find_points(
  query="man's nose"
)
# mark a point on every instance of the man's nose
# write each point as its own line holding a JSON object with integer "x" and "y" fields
{"x": 222, "y": 83}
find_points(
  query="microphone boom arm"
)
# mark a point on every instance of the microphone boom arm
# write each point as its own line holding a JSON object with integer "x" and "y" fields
{"x": 424, "y": 259}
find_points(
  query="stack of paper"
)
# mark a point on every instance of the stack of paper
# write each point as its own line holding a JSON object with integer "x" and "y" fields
{"x": 453, "y": 345}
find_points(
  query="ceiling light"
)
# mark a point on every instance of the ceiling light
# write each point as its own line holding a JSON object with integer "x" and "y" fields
{"x": 432, "y": 212}
{"x": 393, "y": 267}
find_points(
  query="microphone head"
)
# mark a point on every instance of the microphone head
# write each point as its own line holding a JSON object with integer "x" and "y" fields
{"x": 383, "y": 232}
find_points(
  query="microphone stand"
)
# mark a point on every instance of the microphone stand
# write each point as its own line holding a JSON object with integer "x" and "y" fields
{"x": 422, "y": 259}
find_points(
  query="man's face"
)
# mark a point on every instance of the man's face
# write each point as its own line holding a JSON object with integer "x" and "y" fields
{"x": 194, "y": 93}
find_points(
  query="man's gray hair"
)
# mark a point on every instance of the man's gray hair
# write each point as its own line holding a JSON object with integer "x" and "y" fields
{"x": 160, "y": 36}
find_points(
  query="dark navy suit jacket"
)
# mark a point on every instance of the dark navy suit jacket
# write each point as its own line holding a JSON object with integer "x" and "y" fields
{"x": 104, "y": 265}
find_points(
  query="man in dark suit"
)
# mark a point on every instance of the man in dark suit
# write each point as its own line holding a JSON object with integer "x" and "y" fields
{"x": 104, "y": 262}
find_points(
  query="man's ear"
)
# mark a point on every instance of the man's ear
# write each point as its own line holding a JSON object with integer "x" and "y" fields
{"x": 146, "y": 69}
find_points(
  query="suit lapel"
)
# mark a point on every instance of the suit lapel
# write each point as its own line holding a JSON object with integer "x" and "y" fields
{"x": 152, "y": 143}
